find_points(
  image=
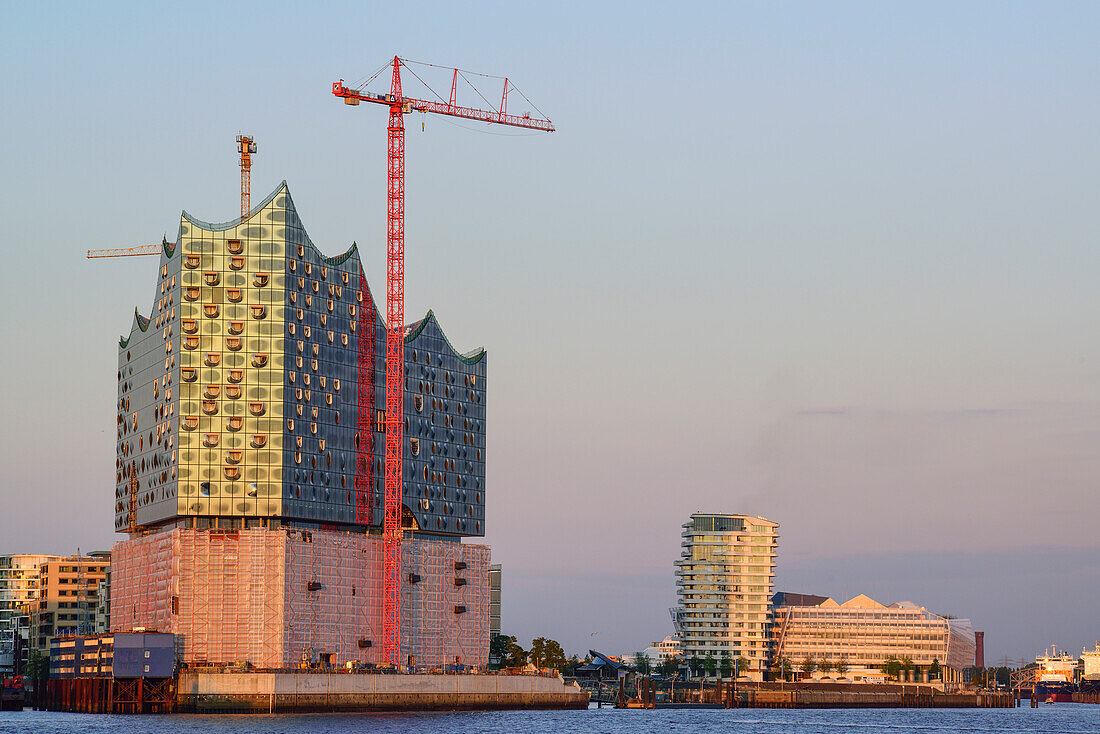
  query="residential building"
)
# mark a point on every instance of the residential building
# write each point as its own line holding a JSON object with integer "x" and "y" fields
{"x": 19, "y": 577}
{"x": 66, "y": 598}
{"x": 863, "y": 635}
{"x": 724, "y": 582}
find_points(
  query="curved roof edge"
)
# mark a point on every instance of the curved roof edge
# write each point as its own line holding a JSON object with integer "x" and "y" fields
{"x": 222, "y": 226}
{"x": 141, "y": 322}
{"x": 472, "y": 357}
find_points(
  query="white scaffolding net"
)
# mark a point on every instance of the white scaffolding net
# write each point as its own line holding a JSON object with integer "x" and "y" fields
{"x": 277, "y": 598}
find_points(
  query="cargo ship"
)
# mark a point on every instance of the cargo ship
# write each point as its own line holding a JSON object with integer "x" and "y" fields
{"x": 1090, "y": 675}
{"x": 1054, "y": 676}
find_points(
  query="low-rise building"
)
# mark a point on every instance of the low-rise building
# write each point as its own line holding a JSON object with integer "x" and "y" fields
{"x": 666, "y": 649}
{"x": 861, "y": 636}
{"x": 67, "y": 596}
{"x": 19, "y": 575}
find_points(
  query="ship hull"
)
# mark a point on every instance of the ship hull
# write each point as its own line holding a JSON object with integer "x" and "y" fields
{"x": 1057, "y": 691}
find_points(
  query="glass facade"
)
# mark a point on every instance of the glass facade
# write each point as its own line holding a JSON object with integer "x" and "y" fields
{"x": 238, "y": 397}
{"x": 865, "y": 634}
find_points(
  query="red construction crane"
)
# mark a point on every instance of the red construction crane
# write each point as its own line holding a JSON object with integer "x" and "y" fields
{"x": 399, "y": 106}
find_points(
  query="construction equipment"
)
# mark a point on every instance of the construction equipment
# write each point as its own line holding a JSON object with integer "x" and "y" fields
{"x": 127, "y": 251}
{"x": 399, "y": 105}
{"x": 246, "y": 146}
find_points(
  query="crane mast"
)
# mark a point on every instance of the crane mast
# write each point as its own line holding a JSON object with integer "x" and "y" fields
{"x": 246, "y": 145}
{"x": 399, "y": 106}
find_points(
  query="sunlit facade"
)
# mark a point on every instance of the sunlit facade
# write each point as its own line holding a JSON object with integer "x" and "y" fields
{"x": 865, "y": 634}
{"x": 724, "y": 580}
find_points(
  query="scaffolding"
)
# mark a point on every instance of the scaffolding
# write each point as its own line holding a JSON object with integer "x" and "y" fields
{"x": 276, "y": 598}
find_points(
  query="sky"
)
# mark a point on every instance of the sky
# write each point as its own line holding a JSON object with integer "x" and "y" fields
{"x": 833, "y": 264}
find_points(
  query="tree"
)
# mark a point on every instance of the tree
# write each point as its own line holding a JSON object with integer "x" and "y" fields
{"x": 934, "y": 669}
{"x": 570, "y": 665}
{"x": 546, "y": 653}
{"x": 785, "y": 668}
{"x": 695, "y": 664}
{"x": 907, "y": 663}
{"x": 891, "y": 667}
{"x": 808, "y": 666}
{"x": 641, "y": 662}
{"x": 505, "y": 647}
{"x": 825, "y": 665}
{"x": 668, "y": 667}
{"x": 725, "y": 665}
{"x": 38, "y": 665}
{"x": 743, "y": 665}
{"x": 710, "y": 664}
{"x": 841, "y": 665}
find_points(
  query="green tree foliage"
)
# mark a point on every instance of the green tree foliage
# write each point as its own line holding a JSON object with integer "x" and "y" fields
{"x": 710, "y": 665}
{"x": 641, "y": 662}
{"x": 934, "y": 669}
{"x": 743, "y": 664}
{"x": 841, "y": 665}
{"x": 38, "y": 665}
{"x": 785, "y": 668}
{"x": 695, "y": 666}
{"x": 825, "y": 665}
{"x": 547, "y": 653}
{"x": 892, "y": 667}
{"x": 725, "y": 665}
{"x": 808, "y": 666}
{"x": 907, "y": 663}
{"x": 669, "y": 667}
{"x": 508, "y": 650}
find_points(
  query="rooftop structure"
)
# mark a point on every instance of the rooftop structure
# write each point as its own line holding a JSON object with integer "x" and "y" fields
{"x": 864, "y": 635}
{"x": 724, "y": 582}
{"x": 238, "y": 397}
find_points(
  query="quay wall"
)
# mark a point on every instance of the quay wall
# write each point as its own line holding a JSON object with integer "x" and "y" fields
{"x": 271, "y": 692}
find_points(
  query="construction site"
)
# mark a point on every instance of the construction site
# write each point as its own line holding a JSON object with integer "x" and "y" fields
{"x": 298, "y": 473}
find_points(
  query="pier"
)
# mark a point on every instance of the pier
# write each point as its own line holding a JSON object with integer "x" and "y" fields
{"x": 727, "y": 694}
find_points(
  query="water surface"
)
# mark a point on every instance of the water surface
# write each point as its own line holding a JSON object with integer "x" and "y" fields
{"x": 1057, "y": 719}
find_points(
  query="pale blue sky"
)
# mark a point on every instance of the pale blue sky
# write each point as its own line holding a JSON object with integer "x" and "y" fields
{"x": 833, "y": 264}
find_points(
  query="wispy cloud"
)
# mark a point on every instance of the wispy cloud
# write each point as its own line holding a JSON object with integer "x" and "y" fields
{"x": 824, "y": 411}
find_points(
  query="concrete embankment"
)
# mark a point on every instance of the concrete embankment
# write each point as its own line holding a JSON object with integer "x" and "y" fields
{"x": 902, "y": 697}
{"x": 270, "y": 692}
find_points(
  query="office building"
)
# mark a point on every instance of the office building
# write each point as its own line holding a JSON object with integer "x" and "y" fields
{"x": 862, "y": 635}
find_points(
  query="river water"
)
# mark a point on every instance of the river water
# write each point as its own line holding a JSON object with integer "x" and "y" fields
{"x": 1060, "y": 718}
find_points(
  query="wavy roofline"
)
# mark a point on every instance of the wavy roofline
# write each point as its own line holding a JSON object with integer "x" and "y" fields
{"x": 472, "y": 357}
{"x": 222, "y": 226}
